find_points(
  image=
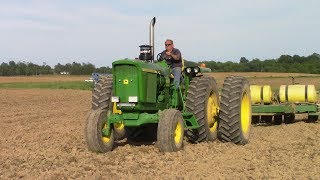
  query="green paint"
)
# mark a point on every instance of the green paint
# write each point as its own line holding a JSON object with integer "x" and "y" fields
{"x": 284, "y": 108}
{"x": 150, "y": 82}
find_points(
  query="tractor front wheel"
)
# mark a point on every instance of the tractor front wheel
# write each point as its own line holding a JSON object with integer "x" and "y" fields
{"x": 101, "y": 96}
{"x": 235, "y": 111}
{"x": 170, "y": 131}
{"x": 95, "y": 139}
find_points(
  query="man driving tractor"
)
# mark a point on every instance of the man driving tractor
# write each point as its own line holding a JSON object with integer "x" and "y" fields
{"x": 173, "y": 58}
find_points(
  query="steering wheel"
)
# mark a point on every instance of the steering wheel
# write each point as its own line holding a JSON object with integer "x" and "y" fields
{"x": 159, "y": 57}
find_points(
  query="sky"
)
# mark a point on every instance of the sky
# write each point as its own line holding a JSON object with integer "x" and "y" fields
{"x": 100, "y": 32}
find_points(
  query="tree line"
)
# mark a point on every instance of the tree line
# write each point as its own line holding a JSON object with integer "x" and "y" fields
{"x": 27, "y": 68}
{"x": 285, "y": 63}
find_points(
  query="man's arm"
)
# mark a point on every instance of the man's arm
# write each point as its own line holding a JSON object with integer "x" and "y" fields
{"x": 175, "y": 55}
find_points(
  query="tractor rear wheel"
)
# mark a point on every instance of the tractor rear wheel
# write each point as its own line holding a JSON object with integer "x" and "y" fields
{"x": 101, "y": 99}
{"x": 235, "y": 111}
{"x": 96, "y": 141}
{"x": 170, "y": 131}
{"x": 203, "y": 102}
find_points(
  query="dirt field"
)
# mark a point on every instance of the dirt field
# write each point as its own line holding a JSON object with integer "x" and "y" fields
{"x": 41, "y": 137}
{"x": 47, "y": 78}
{"x": 275, "y": 79}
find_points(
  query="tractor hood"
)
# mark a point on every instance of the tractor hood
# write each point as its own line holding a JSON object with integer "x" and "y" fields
{"x": 157, "y": 68}
{"x": 136, "y": 83}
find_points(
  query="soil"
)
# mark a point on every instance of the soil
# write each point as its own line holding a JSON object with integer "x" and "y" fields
{"x": 41, "y": 137}
{"x": 43, "y": 78}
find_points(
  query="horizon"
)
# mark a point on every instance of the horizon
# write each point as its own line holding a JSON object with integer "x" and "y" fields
{"x": 198, "y": 62}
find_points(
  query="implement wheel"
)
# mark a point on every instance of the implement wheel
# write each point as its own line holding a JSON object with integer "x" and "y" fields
{"x": 277, "y": 119}
{"x": 288, "y": 118}
{"x": 255, "y": 119}
{"x": 101, "y": 99}
{"x": 203, "y": 102}
{"x": 312, "y": 118}
{"x": 266, "y": 119}
{"x": 235, "y": 111}
{"x": 96, "y": 123}
{"x": 170, "y": 131}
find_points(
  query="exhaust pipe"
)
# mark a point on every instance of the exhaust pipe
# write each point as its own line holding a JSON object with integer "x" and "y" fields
{"x": 151, "y": 36}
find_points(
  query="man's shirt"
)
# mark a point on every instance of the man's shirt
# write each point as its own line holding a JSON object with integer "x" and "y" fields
{"x": 170, "y": 61}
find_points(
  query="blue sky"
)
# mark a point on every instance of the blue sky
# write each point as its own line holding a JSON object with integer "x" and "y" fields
{"x": 100, "y": 32}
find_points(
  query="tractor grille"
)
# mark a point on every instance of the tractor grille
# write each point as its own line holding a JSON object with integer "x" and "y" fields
{"x": 125, "y": 70}
{"x": 125, "y": 82}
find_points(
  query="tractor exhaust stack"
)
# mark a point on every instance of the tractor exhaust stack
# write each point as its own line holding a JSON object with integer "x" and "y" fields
{"x": 151, "y": 36}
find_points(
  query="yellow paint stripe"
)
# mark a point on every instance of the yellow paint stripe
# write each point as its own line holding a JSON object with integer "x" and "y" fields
{"x": 150, "y": 71}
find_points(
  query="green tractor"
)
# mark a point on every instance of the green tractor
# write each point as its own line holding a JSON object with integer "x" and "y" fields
{"x": 140, "y": 103}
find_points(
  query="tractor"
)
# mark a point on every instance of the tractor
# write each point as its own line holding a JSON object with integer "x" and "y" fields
{"x": 141, "y": 103}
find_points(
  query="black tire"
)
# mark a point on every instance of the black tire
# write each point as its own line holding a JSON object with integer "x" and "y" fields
{"x": 312, "y": 118}
{"x": 288, "y": 118}
{"x": 170, "y": 131}
{"x": 203, "y": 102}
{"x": 255, "y": 119}
{"x": 235, "y": 111}
{"x": 266, "y": 119}
{"x": 101, "y": 94}
{"x": 95, "y": 140}
{"x": 277, "y": 119}
{"x": 101, "y": 99}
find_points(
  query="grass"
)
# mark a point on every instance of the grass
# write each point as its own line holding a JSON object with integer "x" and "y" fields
{"x": 80, "y": 85}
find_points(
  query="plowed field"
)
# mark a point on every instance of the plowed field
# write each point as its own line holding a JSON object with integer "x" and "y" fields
{"x": 41, "y": 137}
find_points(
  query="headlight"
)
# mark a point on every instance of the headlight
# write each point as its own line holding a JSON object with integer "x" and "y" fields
{"x": 188, "y": 70}
{"x": 196, "y": 70}
{"x": 114, "y": 99}
{"x": 133, "y": 98}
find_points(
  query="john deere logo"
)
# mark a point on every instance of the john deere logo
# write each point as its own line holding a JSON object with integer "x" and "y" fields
{"x": 125, "y": 81}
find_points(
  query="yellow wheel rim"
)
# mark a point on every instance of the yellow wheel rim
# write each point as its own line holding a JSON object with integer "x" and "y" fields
{"x": 118, "y": 126}
{"x": 245, "y": 113}
{"x": 212, "y": 112}
{"x": 105, "y": 139}
{"x": 178, "y": 133}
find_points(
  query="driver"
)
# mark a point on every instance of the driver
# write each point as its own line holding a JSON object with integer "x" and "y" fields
{"x": 173, "y": 58}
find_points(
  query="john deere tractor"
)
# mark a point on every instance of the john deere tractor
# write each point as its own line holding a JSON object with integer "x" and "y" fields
{"x": 140, "y": 102}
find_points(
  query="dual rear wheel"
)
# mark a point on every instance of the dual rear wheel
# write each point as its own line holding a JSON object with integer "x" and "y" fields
{"x": 227, "y": 118}
{"x": 235, "y": 111}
